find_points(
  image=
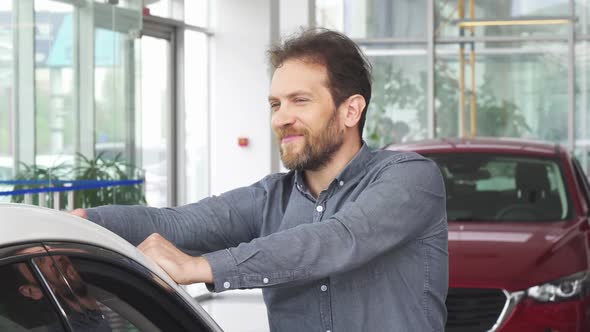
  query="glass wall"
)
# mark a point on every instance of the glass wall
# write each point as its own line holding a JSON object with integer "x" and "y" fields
{"x": 510, "y": 90}
{"x": 398, "y": 106}
{"x": 55, "y": 85}
{"x": 155, "y": 119}
{"x": 71, "y": 100}
{"x": 508, "y": 68}
{"x": 196, "y": 147}
{"x": 67, "y": 93}
{"x": 6, "y": 91}
{"x": 192, "y": 12}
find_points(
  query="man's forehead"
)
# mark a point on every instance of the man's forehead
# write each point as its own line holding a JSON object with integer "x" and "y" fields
{"x": 298, "y": 76}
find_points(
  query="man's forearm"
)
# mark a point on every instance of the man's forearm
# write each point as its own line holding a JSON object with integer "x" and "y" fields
{"x": 133, "y": 223}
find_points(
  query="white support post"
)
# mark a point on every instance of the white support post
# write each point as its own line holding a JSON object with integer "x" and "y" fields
{"x": 56, "y": 200}
{"x": 70, "y": 201}
{"x": 42, "y": 199}
{"x": 29, "y": 199}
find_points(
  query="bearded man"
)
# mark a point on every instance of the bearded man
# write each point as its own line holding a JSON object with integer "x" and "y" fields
{"x": 349, "y": 240}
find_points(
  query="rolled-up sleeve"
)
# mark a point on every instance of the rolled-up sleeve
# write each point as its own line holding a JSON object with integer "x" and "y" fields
{"x": 404, "y": 202}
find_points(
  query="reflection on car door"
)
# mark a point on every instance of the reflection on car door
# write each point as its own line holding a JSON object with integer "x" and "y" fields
{"x": 107, "y": 295}
{"x": 25, "y": 305}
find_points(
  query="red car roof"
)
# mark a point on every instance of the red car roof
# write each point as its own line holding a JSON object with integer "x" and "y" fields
{"x": 497, "y": 145}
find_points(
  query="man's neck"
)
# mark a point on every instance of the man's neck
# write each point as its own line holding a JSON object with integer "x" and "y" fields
{"x": 320, "y": 179}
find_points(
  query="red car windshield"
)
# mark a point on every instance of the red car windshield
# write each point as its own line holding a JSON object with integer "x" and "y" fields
{"x": 487, "y": 187}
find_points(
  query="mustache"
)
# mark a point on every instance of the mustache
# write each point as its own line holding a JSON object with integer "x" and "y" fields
{"x": 284, "y": 132}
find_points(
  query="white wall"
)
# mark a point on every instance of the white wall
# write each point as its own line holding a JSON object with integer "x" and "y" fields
{"x": 239, "y": 91}
{"x": 293, "y": 15}
{"x": 240, "y": 81}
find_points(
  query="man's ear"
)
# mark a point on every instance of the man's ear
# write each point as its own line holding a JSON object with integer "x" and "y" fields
{"x": 31, "y": 292}
{"x": 355, "y": 105}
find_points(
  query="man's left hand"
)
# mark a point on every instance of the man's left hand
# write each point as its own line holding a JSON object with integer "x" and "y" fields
{"x": 184, "y": 269}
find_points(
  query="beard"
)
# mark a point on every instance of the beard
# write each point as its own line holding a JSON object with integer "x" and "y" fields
{"x": 318, "y": 149}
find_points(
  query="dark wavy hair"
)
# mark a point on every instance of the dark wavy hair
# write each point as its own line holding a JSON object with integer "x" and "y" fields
{"x": 349, "y": 71}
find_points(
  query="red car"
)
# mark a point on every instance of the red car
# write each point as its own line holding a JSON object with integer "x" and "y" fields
{"x": 519, "y": 235}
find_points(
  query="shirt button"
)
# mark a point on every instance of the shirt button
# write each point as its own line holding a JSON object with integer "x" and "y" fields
{"x": 341, "y": 183}
{"x": 324, "y": 288}
{"x": 265, "y": 280}
{"x": 226, "y": 284}
{"x": 319, "y": 208}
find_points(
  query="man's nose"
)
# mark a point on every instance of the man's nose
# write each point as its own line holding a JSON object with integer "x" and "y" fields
{"x": 282, "y": 117}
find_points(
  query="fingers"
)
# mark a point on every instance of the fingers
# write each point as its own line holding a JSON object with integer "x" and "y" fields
{"x": 181, "y": 267}
{"x": 80, "y": 213}
{"x": 155, "y": 240}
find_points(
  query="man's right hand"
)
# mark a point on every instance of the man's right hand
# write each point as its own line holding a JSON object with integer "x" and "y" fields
{"x": 80, "y": 213}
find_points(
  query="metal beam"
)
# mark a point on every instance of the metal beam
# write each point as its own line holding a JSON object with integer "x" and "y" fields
{"x": 24, "y": 82}
{"x": 311, "y": 14}
{"x": 168, "y": 23}
{"x": 491, "y": 39}
{"x": 275, "y": 37}
{"x": 571, "y": 115}
{"x": 179, "y": 129}
{"x": 430, "y": 92}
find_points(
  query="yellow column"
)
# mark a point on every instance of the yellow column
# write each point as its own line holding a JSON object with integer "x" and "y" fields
{"x": 472, "y": 66}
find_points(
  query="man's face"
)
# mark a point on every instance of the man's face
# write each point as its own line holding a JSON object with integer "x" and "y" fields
{"x": 305, "y": 121}
{"x": 49, "y": 268}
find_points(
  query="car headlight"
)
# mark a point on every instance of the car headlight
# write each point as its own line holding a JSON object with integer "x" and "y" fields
{"x": 563, "y": 289}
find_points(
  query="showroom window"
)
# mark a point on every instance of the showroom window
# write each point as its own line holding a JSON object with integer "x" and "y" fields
{"x": 72, "y": 106}
{"x": 175, "y": 102}
{"x": 463, "y": 68}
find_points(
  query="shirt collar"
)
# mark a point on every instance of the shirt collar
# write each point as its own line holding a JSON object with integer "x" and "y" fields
{"x": 355, "y": 166}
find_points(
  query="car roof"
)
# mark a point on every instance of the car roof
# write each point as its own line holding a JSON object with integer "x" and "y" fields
{"x": 497, "y": 145}
{"x": 29, "y": 223}
{"x": 23, "y": 223}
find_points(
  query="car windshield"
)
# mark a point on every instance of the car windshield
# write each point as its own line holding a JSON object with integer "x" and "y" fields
{"x": 488, "y": 187}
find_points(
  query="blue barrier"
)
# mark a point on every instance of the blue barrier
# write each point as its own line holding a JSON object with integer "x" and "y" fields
{"x": 68, "y": 185}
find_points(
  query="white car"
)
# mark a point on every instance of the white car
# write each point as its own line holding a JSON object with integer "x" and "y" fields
{"x": 63, "y": 273}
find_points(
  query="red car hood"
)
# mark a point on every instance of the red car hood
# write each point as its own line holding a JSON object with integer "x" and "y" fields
{"x": 514, "y": 256}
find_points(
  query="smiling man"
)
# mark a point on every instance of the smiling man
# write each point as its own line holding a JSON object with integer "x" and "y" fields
{"x": 348, "y": 240}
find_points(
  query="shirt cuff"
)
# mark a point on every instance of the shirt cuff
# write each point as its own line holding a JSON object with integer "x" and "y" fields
{"x": 224, "y": 269}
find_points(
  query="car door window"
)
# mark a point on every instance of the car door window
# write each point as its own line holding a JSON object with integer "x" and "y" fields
{"x": 24, "y": 304}
{"x": 120, "y": 298}
{"x": 83, "y": 310}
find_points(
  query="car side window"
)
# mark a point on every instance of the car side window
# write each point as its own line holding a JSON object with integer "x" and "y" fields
{"x": 83, "y": 310}
{"x": 583, "y": 180}
{"x": 126, "y": 300}
{"x": 24, "y": 304}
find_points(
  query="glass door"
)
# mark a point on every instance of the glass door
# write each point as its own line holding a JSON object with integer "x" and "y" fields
{"x": 156, "y": 120}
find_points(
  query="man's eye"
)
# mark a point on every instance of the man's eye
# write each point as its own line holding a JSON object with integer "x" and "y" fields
{"x": 274, "y": 105}
{"x": 300, "y": 100}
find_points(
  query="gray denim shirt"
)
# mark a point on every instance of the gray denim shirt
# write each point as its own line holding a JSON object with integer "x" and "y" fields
{"x": 369, "y": 254}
